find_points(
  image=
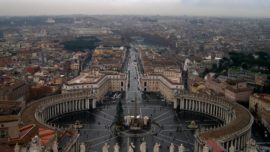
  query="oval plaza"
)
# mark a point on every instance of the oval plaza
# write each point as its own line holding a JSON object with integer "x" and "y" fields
{"x": 97, "y": 92}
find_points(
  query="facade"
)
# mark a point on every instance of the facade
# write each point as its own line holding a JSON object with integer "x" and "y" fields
{"x": 98, "y": 83}
{"x": 104, "y": 75}
{"x": 14, "y": 90}
{"x": 9, "y": 120}
{"x": 161, "y": 84}
{"x": 238, "y": 94}
{"x": 259, "y": 104}
{"x": 234, "y": 90}
{"x": 237, "y": 91}
{"x": 9, "y": 127}
{"x": 160, "y": 74}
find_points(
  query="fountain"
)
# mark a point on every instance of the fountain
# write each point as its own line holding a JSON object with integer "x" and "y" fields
{"x": 192, "y": 125}
{"x": 77, "y": 125}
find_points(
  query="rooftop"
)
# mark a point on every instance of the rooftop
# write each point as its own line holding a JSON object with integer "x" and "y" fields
{"x": 8, "y": 118}
{"x": 238, "y": 90}
{"x": 263, "y": 97}
{"x": 85, "y": 78}
{"x": 9, "y": 107}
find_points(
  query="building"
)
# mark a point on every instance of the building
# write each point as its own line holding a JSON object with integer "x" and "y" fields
{"x": 259, "y": 104}
{"x": 160, "y": 83}
{"x": 261, "y": 79}
{"x": 9, "y": 120}
{"x": 99, "y": 83}
{"x": 242, "y": 74}
{"x": 234, "y": 90}
{"x": 237, "y": 90}
{"x": 9, "y": 127}
{"x": 160, "y": 74}
{"x": 104, "y": 75}
{"x": 214, "y": 84}
{"x": 109, "y": 58}
{"x": 12, "y": 89}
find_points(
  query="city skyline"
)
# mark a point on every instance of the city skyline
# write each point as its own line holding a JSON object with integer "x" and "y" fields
{"x": 230, "y": 8}
{"x": 109, "y": 79}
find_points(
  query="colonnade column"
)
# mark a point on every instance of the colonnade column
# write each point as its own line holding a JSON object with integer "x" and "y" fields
{"x": 54, "y": 111}
{"x": 181, "y": 103}
{"x": 200, "y": 105}
{"x": 94, "y": 103}
{"x": 175, "y": 103}
{"x": 66, "y": 107}
{"x": 80, "y": 105}
{"x": 87, "y": 103}
{"x": 49, "y": 113}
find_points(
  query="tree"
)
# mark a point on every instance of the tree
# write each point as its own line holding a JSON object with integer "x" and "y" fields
{"x": 119, "y": 117}
{"x": 205, "y": 72}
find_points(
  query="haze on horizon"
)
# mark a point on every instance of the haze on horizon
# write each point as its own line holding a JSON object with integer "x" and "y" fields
{"x": 238, "y": 8}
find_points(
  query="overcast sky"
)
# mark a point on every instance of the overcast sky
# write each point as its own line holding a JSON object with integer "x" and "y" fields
{"x": 247, "y": 8}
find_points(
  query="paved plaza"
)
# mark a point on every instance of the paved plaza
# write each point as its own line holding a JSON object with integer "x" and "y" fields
{"x": 172, "y": 126}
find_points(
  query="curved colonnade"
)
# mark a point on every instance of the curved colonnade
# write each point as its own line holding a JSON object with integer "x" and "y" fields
{"x": 236, "y": 130}
{"x": 58, "y": 105}
{"x": 237, "y": 121}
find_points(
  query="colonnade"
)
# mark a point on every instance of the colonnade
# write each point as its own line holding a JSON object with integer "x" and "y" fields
{"x": 222, "y": 112}
{"x": 58, "y": 105}
{"x": 55, "y": 110}
{"x": 232, "y": 133}
{"x": 221, "y": 109}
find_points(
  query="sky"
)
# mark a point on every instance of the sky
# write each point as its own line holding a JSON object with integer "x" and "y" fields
{"x": 239, "y": 8}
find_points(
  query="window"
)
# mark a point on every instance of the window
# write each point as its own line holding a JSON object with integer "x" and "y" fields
{"x": 145, "y": 83}
{"x": 3, "y": 134}
{"x": 122, "y": 83}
